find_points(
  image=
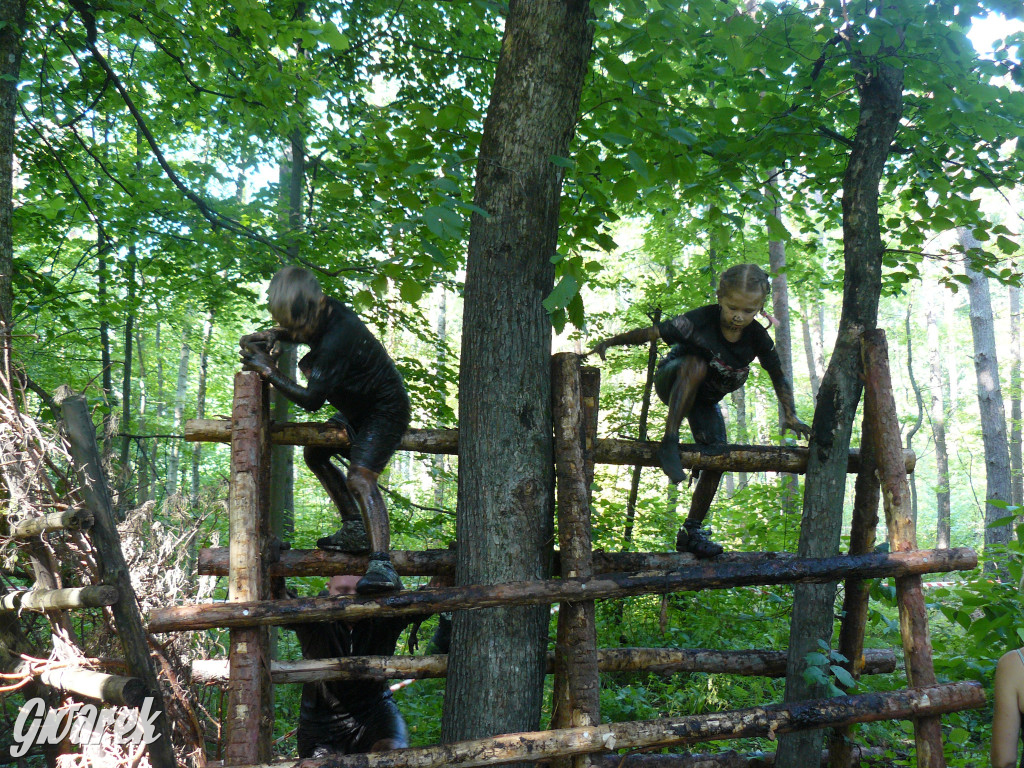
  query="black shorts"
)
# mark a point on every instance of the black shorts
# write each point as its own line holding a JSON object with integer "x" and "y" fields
{"x": 374, "y": 436}
{"x": 354, "y": 734}
{"x": 705, "y": 417}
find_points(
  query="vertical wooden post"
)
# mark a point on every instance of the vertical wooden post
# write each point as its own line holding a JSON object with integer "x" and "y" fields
{"x": 590, "y": 384}
{"x": 576, "y": 690}
{"x": 249, "y": 717}
{"x": 899, "y": 519}
{"x": 114, "y": 570}
{"x": 855, "y": 601}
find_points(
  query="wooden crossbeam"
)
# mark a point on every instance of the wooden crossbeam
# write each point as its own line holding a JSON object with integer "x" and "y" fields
{"x": 755, "y": 722}
{"x": 746, "y": 458}
{"x": 659, "y": 661}
{"x": 93, "y": 596}
{"x": 707, "y": 575}
{"x": 213, "y": 561}
{"x": 68, "y": 520}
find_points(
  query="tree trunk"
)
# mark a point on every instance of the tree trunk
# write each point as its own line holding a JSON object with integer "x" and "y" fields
{"x": 881, "y": 105}
{"x": 938, "y": 419}
{"x": 282, "y": 458}
{"x": 1016, "y": 464}
{"x": 990, "y": 397}
{"x": 441, "y": 356}
{"x": 126, "y": 375}
{"x": 504, "y": 521}
{"x": 645, "y": 409}
{"x": 106, "y": 374}
{"x": 812, "y": 348}
{"x": 741, "y": 434}
{"x": 12, "y": 21}
{"x": 145, "y": 492}
{"x": 783, "y": 335}
{"x": 179, "y": 411}
{"x": 204, "y": 354}
{"x": 920, "y": 407}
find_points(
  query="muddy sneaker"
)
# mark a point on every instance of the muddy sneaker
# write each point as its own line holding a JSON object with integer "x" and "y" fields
{"x": 380, "y": 576}
{"x": 697, "y": 541}
{"x": 350, "y": 538}
{"x": 668, "y": 457}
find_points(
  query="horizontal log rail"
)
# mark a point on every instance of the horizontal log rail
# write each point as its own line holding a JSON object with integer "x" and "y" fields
{"x": 68, "y": 520}
{"x": 661, "y": 661}
{"x": 114, "y": 690}
{"x": 755, "y": 722}
{"x": 318, "y": 562}
{"x": 741, "y": 458}
{"x": 707, "y": 575}
{"x": 859, "y": 756}
{"x": 59, "y": 599}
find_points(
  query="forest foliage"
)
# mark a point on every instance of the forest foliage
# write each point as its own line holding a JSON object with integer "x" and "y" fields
{"x": 157, "y": 146}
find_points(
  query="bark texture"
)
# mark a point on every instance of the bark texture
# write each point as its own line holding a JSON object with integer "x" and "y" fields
{"x": 505, "y": 454}
{"x": 249, "y": 718}
{"x": 744, "y": 723}
{"x": 577, "y": 686}
{"x": 881, "y": 105}
{"x": 938, "y": 421}
{"x": 707, "y": 575}
{"x": 747, "y": 458}
{"x": 899, "y": 519}
{"x": 658, "y": 661}
{"x": 12, "y": 22}
{"x": 990, "y": 398}
{"x": 1016, "y": 462}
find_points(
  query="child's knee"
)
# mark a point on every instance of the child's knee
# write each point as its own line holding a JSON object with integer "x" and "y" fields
{"x": 316, "y": 456}
{"x": 693, "y": 368}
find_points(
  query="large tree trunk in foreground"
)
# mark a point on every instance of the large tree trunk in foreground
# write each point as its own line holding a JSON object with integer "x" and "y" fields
{"x": 504, "y": 520}
{"x": 881, "y": 105}
{"x": 990, "y": 398}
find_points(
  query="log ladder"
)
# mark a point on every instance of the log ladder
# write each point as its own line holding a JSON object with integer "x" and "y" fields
{"x": 577, "y": 737}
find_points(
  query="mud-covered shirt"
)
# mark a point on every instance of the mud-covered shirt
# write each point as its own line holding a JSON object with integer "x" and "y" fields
{"x": 699, "y": 332}
{"x": 350, "y": 368}
{"x": 330, "y": 704}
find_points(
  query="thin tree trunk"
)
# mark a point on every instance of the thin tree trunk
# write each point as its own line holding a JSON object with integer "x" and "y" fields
{"x": 12, "y": 22}
{"x": 742, "y": 432}
{"x": 179, "y": 410}
{"x": 1016, "y": 464}
{"x": 920, "y": 407}
{"x": 504, "y": 522}
{"x": 645, "y": 409}
{"x": 813, "y": 370}
{"x": 881, "y": 105}
{"x": 938, "y": 419}
{"x": 106, "y": 375}
{"x": 282, "y": 458}
{"x": 783, "y": 335}
{"x": 204, "y": 353}
{"x": 441, "y": 358}
{"x": 990, "y": 397}
{"x": 145, "y": 492}
{"x": 126, "y": 376}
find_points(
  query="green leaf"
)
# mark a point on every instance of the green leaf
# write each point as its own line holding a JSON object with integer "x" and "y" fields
{"x": 559, "y": 298}
{"x": 562, "y": 162}
{"x": 843, "y": 676}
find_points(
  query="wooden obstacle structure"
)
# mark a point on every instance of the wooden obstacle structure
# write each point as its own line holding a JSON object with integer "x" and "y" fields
{"x": 577, "y": 736}
{"x": 96, "y": 521}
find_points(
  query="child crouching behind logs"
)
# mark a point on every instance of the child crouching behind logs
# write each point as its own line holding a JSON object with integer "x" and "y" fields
{"x": 711, "y": 354}
{"x": 349, "y": 368}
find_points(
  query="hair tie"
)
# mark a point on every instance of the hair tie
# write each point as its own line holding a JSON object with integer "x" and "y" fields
{"x": 771, "y": 320}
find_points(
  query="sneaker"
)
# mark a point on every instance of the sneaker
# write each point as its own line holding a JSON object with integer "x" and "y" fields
{"x": 380, "y": 576}
{"x": 350, "y": 538}
{"x": 668, "y": 457}
{"x": 697, "y": 540}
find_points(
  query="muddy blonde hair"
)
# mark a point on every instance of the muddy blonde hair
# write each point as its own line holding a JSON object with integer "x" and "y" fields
{"x": 294, "y": 297}
{"x": 744, "y": 277}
